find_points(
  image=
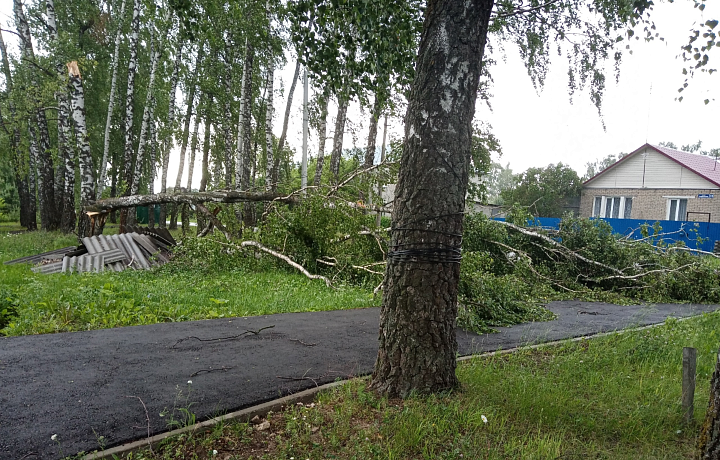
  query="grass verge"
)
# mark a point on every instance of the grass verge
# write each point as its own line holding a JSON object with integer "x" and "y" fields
{"x": 613, "y": 397}
{"x": 36, "y": 303}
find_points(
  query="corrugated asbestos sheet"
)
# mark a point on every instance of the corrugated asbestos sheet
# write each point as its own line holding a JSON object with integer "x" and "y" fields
{"x": 100, "y": 253}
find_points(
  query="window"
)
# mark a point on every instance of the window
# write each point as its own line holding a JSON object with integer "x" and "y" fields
{"x": 677, "y": 209}
{"x": 612, "y": 207}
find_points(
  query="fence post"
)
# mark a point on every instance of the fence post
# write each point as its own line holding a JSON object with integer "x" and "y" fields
{"x": 689, "y": 365}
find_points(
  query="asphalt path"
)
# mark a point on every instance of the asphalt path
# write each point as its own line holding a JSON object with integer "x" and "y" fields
{"x": 82, "y": 386}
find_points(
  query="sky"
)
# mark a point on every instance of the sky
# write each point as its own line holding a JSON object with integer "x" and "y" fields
{"x": 540, "y": 127}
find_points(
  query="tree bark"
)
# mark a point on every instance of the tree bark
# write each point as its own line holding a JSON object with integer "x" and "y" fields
{"x": 286, "y": 120}
{"x": 244, "y": 141}
{"x": 171, "y": 128}
{"x": 322, "y": 137}
{"x": 372, "y": 134}
{"x": 709, "y": 439}
{"x": 194, "y": 143}
{"x": 205, "y": 178}
{"x": 111, "y": 102}
{"x": 64, "y": 150}
{"x": 228, "y": 124}
{"x": 417, "y": 320}
{"x": 87, "y": 185}
{"x": 148, "y": 112}
{"x": 153, "y": 168}
{"x": 269, "y": 145}
{"x": 128, "y": 151}
{"x": 43, "y": 157}
{"x": 338, "y": 138}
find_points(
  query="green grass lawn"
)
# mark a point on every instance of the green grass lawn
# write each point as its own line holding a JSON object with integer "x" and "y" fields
{"x": 614, "y": 397}
{"x": 60, "y": 302}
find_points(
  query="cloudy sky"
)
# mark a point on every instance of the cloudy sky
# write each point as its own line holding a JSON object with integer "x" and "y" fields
{"x": 537, "y": 128}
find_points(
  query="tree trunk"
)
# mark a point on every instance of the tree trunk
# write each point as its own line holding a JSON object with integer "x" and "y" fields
{"x": 417, "y": 321}
{"x": 64, "y": 151}
{"x": 111, "y": 102}
{"x": 228, "y": 124}
{"x": 270, "y": 159}
{"x": 205, "y": 178}
{"x": 147, "y": 119}
{"x": 18, "y": 156}
{"x": 286, "y": 120}
{"x": 338, "y": 138}
{"x": 194, "y": 143}
{"x": 244, "y": 141}
{"x": 151, "y": 176}
{"x": 322, "y": 136}
{"x": 378, "y": 219}
{"x": 87, "y": 187}
{"x": 128, "y": 152}
{"x": 43, "y": 157}
{"x": 372, "y": 135}
{"x": 709, "y": 439}
{"x": 32, "y": 181}
{"x": 171, "y": 128}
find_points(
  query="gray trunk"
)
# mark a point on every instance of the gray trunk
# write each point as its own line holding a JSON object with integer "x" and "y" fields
{"x": 170, "y": 130}
{"x": 43, "y": 157}
{"x": 111, "y": 102}
{"x": 372, "y": 134}
{"x": 245, "y": 153}
{"x": 709, "y": 439}
{"x": 228, "y": 125}
{"x": 205, "y": 178}
{"x": 286, "y": 120}
{"x": 194, "y": 143}
{"x": 417, "y": 343}
{"x": 269, "y": 171}
{"x": 322, "y": 137}
{"x": 151, "y": 175}
{"x": 87, "y": 181}
{"x": 338, "y": 139}
{"x": 129, "y": 151}
{"x": 67, "y": 224}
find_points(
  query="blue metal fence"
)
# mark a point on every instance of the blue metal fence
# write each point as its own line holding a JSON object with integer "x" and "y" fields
{"x": 687, "y": 232}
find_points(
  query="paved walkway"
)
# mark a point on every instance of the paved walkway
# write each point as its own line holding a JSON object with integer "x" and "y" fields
{"x": 83, "y": 385}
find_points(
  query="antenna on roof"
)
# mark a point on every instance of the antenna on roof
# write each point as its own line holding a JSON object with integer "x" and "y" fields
{"x": 647, "y": 126}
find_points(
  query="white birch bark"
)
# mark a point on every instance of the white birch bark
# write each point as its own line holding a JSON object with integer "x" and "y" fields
{"x": 242, "y": 171}
{"x": 194, "y": 143}
{"x": 87, "y": 182}
{"x": 128, "y": 155}
{"x": 322, "y": 137}
{"x": 269, "y": 173}
{"x": 188, "y": 116}
{"x": 111, "y": 102}
{"x": 338, "y": 139}
{"x": 228, "y": 123}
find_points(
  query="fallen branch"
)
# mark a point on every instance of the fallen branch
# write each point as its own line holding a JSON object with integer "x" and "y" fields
{"x": 355, "y": 174}
{"x": 209, "y": 370}
{"x": 639, "y": 275}
{"x": 147, "y": 417}
{"x": 248, "y": 331}
{"x": 287, "y": 259}
{"x": 303, "y": 343}
{"x": 219, "y": 196}
{"x": 215, "y": 221}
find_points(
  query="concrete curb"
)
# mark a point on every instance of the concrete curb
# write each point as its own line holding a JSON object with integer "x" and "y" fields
{"x": 245, "y": 415}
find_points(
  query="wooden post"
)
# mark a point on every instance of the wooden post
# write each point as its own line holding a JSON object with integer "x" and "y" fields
{"x": 689, "y": 364}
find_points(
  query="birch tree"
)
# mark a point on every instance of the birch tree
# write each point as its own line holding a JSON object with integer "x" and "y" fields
{"x": 170, "y": 128}
{"x": 322, "y": 136}
{"x": 269, "y": 185}
{"x": 340, "y": 120}
{"x": 111, "y": 101}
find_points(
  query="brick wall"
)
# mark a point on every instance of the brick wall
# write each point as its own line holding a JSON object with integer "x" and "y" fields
{"x": 650, "y": 204}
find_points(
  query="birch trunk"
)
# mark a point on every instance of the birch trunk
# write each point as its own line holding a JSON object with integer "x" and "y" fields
{"x": 111, "y": 102}
{"x": 228, "y": 124}
{"x": 171, "y": 124}
{"x": 244, "y": 132}
{"x": 186, "y": 133}
{"x": 64, "y": 204}
{"x": 286, "y": 120}
{"x": 87, "y": 185}
{"x": 338, "y": 138}
{"x": 43, "y": 157}
{"x": 194, "y": 143}
{"x": 709, "y": 440}
{"x": 19, "y": 162}
{"x": 32, "y": 180}
{"x": 206, "y": 147}
{"x": 146, "y": 120}
{"x": 372, "y": 134}
{"x": 322, "y": 137}
{"x": 129, "y": 151}
{"x": 417, "y": 344}
{"x": 153, "y": 167}
{"x": 378, "y": 220}
{"x": 270, "y": 162}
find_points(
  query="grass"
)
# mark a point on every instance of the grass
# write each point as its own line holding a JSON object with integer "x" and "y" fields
{"x": 174, "y": 292}
{"x": 615, "y": 397}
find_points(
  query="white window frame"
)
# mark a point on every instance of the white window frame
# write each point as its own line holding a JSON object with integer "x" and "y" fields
{"x": 677, "y": 206}
{"x": 603, "y": 206}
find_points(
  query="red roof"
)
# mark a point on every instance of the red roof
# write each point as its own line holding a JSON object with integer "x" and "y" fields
{"x": 702, "y": 165}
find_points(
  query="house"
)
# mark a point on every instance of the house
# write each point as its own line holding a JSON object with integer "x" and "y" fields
{"x": 655, "y": 183}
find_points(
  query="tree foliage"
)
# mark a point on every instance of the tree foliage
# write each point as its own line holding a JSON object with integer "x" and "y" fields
{"x": 544, "y": 191}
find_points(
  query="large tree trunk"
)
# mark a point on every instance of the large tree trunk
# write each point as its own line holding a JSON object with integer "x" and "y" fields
{"x": 338, "y": 138}
{"x": 204, "y": 172}
{"x": 171, "y": 128}
{"x": 64, "y": 151}
{"x": 286, "y": 120}
{"x": 228, "y": 123}
{"x": 269, "y": 147}
{"x": 18, "y": 154}
{"x": 32, "y": 181}
{"x": 129, "y": 150}
{"x": 709, "y": 439}
{"x": 322, "y": 136}
{"x": 417, "y": 320}
{"x": 87, "y": 185}
{"x": 111, "y": 102}
{"x": 146, "y": 121}
{"x": 43, "y": 157}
